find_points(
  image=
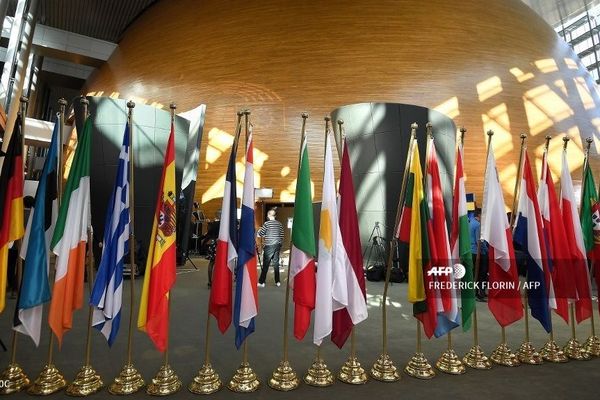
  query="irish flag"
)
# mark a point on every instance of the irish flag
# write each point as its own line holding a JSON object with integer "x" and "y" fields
{"x": 460, "y": 241}
{"x": 70, "y": 237}
{"x": 302, "y": 263}
{"x": 159, "y": 277}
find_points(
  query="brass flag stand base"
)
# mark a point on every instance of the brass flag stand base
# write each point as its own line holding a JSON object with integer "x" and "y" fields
{"x": 206, "y": 382}
{"x": 476, "y": 359}
{"x": 450, "y": 363}
{"x": 418, "y": 367}
{"x": 528, "y": 355}
{"x": 164, "y": 383}
{"x": 503, "y": 355}
{"x": 14, "y": 379}
{"x": 284, "y": 378}
{"x": 244, "y": 380}
{"x": 592, "y": 346}
{"x": 318, "y": 374}
{"x": 574, "y": 351}
{"x": 86, "y": 382}
{"x": 352, "y": 372}
{"x": 384, "y": 370}
{"x": 129, "y": 381}
{"x": 49, "y": 381}
{"x": 552, "y": 353}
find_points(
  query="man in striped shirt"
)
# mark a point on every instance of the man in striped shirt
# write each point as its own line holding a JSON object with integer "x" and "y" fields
{"x": 272, "y": 234}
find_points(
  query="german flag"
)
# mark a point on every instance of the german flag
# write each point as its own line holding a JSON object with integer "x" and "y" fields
{"x": 159, "y": 278}
{"x": 11, "y": 202}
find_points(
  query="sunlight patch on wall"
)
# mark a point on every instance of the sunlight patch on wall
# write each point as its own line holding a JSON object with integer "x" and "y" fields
{"x": 507, "y": 175}
{"x": 544, "y": 108}
{"x": 497, "y": 120}
{"x": 571, "y": 64}
{"x": 560, "y": 84}
{"x": 489, "y": 87}
{"x": 288, "y": 195}
{"x": 449, "y": 107}
{"x": 546, "y": 65}
{"x": 584, "y": 93}
{"x": 520, "y": 75}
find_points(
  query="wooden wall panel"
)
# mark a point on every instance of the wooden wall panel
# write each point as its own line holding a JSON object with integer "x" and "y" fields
{"x": 487, "y": 64}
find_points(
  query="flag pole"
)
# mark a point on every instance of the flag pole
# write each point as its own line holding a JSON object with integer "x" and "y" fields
{"x": 284, "y": 377}
{"x": 418, "y": 366}
{"x": 573, "y": 348}
{"x": 14, "y": 377}
{"x": 449, "y": 362}
{"x": 475, "y": 357}
{"x": 527, "y": 353}
{"x": 384, "y": 369}
{"x": 166, "y": 381}
{"x": 87, "y": 380}
{"x": 50, "y": 379}
{"x": 130, "y": 380}
{"x": 550, "y": 351}
{"x": 503, "y": 355}
{"x": 244, "y": 380}
{"x": 207, "y": 381}
{"x": 318, "y": 374}
{"x": 592, "y": 344}
{"x": 352, "y": 371}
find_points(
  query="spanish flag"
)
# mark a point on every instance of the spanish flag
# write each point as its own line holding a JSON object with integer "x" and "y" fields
{"x": 159, "y": 278}
{"x": 11, "y": 202}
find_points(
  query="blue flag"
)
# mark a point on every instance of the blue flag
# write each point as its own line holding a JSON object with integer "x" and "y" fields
{"x": 107, "y": 293}
{"x": 35, "y": 288}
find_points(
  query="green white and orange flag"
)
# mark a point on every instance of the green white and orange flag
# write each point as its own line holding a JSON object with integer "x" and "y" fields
{"x": 11, "y": 203}
{"x": 460, "y": 241}
{"x": 159, "y": 278}
{"x": 70, "y": 237}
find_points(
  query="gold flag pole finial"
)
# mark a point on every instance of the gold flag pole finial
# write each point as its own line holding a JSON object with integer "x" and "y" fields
{"x": 129, "y": 380}
{"x": 87, "y": 381}
{"x": 463, "y": 130}
{"x": 13, "y": 377}
{"x": 475, "y": 357}
{"x": 342, "y": 137}
{"x": 50, "y": 379}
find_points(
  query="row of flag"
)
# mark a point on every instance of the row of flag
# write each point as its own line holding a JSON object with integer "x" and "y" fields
{"x": 335, "y": 290}
{"x": 558, "y": 242}
{"x": 333, "y": 285}
{"x": 65, "y": 232}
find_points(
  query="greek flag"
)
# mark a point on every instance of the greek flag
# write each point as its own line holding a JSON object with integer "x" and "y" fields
{"x": 108, "y": 289}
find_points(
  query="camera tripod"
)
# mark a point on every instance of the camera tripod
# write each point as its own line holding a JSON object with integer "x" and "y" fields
{"x": 376, "y": 247}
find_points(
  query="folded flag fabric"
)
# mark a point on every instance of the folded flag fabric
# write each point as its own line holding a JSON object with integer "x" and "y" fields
{"x": 107, "y": 293}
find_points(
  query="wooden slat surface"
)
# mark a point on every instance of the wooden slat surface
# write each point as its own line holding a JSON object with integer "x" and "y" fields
{"x": 487, "y": 64}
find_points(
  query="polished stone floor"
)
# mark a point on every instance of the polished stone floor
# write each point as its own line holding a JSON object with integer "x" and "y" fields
{"x": 576, "y": 379}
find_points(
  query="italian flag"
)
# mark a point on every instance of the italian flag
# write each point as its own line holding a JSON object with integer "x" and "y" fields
{"x": 302, "y": 263}
{"x": 460, "y": 240}
{"x": 70, "y": 237}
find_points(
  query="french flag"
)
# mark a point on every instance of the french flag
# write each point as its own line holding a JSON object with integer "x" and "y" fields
{"x": 529, "y": 234}
{"x": 246, "y": 296}
{"x": 220, "y": 293}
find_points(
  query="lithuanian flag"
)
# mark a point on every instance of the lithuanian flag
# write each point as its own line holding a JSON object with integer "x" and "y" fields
{"x": 11, "y": 202}
{"x": 159, "y": 277}
{"x": 413, "y": 239}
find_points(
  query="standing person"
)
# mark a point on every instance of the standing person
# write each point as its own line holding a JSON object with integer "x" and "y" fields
{"x": 272, "y": 234}
{"x": 482, "y": 275}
